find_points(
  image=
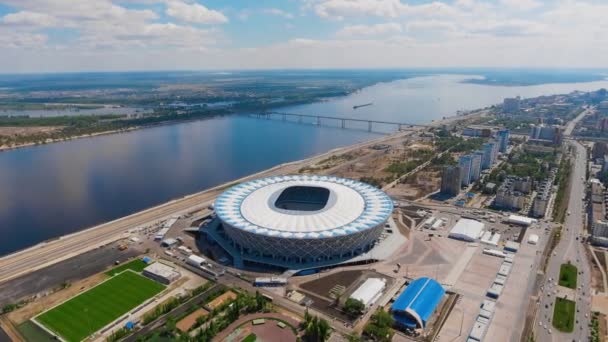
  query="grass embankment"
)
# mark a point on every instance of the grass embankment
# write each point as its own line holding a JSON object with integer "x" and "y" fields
{"x": 136, "y": 265}
{"x": 563, "y": 315}
{"x": 90, "y": 311}
{"x": 567, "y": 275}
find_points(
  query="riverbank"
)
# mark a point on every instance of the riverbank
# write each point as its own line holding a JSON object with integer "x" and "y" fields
{"x": 108, "y": 132}
{"x": 56, "y": 250}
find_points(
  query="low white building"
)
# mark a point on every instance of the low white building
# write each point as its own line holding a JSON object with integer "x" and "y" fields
{"x": 512, "y": 246}
{"x": 467, "y": 230}
{"x": 162, "y": 273}
{"x": 533, "y": 239}
{"x": 195, "y": 260}
{"x": 490, "y": 238}
{"x": 520, "y": 220}
{"x": 369, "y": 292}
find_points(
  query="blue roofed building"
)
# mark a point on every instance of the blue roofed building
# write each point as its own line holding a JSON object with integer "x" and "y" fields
{"x": 416, "y": 304}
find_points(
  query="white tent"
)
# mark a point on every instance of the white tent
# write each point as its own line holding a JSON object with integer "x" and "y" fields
{"x": 467, "y": 230}
{"x": 369, "y": 291}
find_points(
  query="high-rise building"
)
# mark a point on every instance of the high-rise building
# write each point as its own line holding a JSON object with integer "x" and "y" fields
{"x": 511, "y": 105}
{"x": 602, "y": 124}
{"x": 547, "y": 133}
{"x": 476, "y": 166}
{"x": 503, "y": 140}
{"x": 489, "y": 155}
{"x": 535, "y": 131}
{"x": 599, "y": 150}
{"x": 512, "y": 193}
{"x": 450, "y": 180}
{"x": 543, "y": 193}
{"x": 605, "y": 164}
{"x": 465, "y": 163}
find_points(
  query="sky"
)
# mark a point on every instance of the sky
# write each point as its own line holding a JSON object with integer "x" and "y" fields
{"x": 120, "y": 35}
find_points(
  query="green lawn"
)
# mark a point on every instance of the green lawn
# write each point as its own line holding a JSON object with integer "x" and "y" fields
{"x": 250, "y": 338}
{"x": 136, "y": 265}
{"x": 567, "y": 276}
{"x": 90, "y": 311}
{"x": 563, "y": 315}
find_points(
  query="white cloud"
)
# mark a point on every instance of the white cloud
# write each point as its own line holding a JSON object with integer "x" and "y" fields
{"x": 27, "y": 18}
{"x": 341, "y": 9}
{"x": 104, "y": 24}
{"x": 194, "y": 13}
{"x": 107, "y": 34}
{"x": 278, "y": 12}
{"x": 524, "y": 5}
{"x": 21, "y": 40}
{"x": 355, "y": 31}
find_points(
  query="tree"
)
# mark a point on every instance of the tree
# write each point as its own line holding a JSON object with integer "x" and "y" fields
{"x": 169, "y": 327}
{"x": 379, "y": 327}
{"x": 315, "y": 329}
{"x": 353, "y": 307}
{"x": 354, "y": 338}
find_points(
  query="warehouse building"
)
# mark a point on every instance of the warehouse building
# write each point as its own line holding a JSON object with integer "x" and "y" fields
{"x": 162, "y": 273}
{"x": 416, "y": 304}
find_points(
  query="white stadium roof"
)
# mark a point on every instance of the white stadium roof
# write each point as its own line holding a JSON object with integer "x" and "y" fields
{"x": 466, "y": 229}
{"x": 352, "y": 206}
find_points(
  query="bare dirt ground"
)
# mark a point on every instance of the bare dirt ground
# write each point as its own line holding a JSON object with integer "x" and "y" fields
{"x": 21, "y": 315}
{"x": 13, "y": 131}
{"x": 418, "y": 185}
{"x": 323, "y": 285}
{"x": 597, "y": 281}
{"x": 369, "y": 161}
{"x": 221, "y": 299}
{"x": 43, "y": 282}
{"x": 187, "y": 322}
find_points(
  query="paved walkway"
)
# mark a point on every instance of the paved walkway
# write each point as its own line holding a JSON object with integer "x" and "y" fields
{"x": 226, "y": 332}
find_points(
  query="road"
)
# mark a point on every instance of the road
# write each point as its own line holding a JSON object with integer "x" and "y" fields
{"x": 570, "y": 126}
{"x": 568, "y": 249}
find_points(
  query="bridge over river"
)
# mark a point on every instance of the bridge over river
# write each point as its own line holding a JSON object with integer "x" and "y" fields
{"x": 347, "y": 123}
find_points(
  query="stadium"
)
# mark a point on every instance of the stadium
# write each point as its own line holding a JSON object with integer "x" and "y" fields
{"x": 302, "y": 220}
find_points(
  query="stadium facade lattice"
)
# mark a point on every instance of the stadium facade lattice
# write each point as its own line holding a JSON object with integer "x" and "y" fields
{"x": 302, "y": 219}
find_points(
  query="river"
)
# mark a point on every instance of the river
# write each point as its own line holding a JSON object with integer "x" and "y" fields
{"x": 51, "y": 190}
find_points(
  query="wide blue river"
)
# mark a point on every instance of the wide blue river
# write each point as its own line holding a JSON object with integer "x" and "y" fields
{"x": 51, "y": 190}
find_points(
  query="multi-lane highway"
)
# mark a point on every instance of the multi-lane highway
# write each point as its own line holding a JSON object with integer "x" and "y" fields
{"x": 569, "y": 249}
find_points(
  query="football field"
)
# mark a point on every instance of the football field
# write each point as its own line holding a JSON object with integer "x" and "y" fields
{"x": 90, "y": 311}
